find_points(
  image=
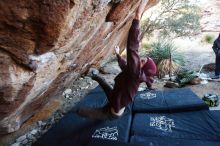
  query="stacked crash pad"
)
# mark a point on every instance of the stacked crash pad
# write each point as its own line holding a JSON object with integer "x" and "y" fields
{"x": 174, "y": 117}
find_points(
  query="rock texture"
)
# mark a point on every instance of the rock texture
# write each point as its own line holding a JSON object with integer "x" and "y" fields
{"x": 46, "y": 44}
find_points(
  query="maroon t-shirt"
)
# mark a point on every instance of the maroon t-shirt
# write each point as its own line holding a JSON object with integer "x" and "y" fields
{"x": 128, "y": 81}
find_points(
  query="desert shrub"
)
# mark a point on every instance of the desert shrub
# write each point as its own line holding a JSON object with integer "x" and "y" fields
{"x": 208, "y": 38}
{"x": 185, "y": 77}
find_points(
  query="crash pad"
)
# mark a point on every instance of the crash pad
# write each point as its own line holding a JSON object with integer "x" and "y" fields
{"x": 174, "y": 100}
{"x": 199, "y": 125}
{"x": 163, "y": 141}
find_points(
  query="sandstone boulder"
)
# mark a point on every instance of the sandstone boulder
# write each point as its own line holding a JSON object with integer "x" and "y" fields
{"x": 46, "y": 44}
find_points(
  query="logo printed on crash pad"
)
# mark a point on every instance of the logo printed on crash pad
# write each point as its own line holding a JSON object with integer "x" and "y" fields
{"x": 162, "y": 123}
{"x": 106, "y": 133}
{"x": 148, "y": 95}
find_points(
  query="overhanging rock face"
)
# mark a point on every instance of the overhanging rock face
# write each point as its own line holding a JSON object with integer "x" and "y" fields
{"x": 45, "y": 45}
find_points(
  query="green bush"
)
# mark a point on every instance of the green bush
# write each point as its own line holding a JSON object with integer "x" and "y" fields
{"x": 208, "y": 38}
{"x": 164, "y": 50}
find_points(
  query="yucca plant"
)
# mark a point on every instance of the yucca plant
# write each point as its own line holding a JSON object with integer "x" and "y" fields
{"x": 166, "y": 56}
{"x": 165, "y": 50}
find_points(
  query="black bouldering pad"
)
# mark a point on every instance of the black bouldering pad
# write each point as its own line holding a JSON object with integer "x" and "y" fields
{"x": 161, "y": 141}
{"x": 174, "y": 100}
{"x": 199, "y": 125}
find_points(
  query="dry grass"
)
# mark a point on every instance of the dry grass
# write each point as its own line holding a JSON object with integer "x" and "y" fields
{"x": 166, "y": 67}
